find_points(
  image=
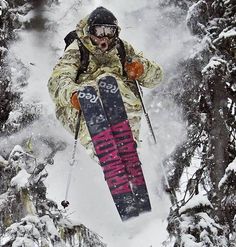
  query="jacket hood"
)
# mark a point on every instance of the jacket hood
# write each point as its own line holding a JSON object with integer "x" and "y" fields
{"x": 82, "y": 30}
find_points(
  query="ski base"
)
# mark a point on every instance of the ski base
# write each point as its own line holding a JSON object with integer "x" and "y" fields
{"x": 115, "y": 147}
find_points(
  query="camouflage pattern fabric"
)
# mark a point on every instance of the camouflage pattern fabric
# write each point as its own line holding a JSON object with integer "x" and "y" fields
{"x": 62, "y": 82}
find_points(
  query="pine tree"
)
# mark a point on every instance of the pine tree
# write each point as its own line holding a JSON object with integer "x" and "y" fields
{"x": 27, "y": 216}
{"x": 205, "y": 212}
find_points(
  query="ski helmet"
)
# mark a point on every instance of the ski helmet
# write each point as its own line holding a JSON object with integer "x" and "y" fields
{"x": 101, "y": 16}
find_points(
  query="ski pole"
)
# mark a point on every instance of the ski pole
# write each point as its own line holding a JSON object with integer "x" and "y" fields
{"x": 151, "y": 128}
{"x": 145, "y": 112}
{"x": 65, "y": 202}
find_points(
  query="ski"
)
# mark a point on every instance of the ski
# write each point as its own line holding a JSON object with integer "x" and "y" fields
{"x": 106, "y": 150}
{"x": 126, "y": 145}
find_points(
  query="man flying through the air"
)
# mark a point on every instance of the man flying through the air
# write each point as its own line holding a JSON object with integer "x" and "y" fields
{"x": 95, "y": 53}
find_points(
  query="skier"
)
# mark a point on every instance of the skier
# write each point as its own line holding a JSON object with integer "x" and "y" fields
{"x": 94, "y": 53}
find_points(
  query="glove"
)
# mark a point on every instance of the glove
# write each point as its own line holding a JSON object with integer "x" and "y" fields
{"x": 74, "y": 101}
{"x": 134, "y": 69}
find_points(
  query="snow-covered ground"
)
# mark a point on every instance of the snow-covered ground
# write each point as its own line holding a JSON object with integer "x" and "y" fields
{"x": 149, "y": 29}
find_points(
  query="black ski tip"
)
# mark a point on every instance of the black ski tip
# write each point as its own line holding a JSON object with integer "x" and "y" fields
{"x": 65, "y": 204}
{"x": 130, "y": 212}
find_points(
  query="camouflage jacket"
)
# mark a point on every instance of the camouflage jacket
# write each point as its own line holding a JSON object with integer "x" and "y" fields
{"x": 62, "y": 82}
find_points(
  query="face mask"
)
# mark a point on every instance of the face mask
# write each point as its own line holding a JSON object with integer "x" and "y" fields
{"x": 102, "y": 43}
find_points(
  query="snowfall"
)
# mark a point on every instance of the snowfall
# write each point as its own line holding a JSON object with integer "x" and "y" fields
{"x": 161, "y": 39}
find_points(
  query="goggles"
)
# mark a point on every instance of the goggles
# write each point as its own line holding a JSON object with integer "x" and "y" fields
{"x": 102, "y": 30}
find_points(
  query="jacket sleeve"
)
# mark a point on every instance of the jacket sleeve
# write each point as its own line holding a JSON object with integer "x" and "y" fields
{"x": 62, "y": 84}
{"x": 153, "y": 73}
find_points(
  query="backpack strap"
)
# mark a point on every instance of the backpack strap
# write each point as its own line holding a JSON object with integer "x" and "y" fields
{"x": 84, "y": 58}
{"x": 121, "y": 54}
{"x": 70, "y": 37}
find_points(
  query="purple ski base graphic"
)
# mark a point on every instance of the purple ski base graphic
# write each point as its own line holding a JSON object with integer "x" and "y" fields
{"x": 127, "y": 151}
{"x": 113, "y": 168}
